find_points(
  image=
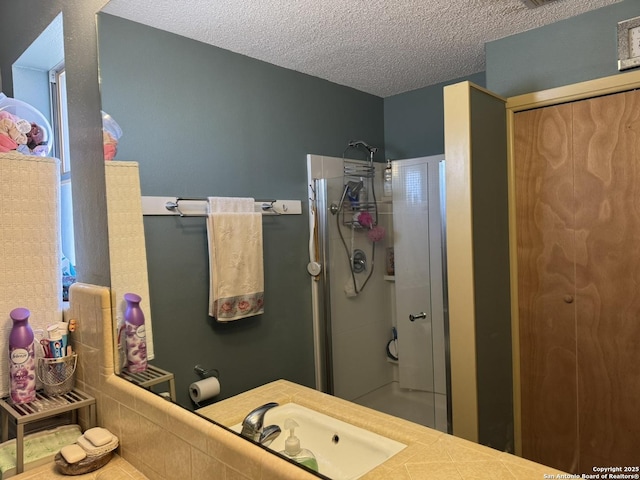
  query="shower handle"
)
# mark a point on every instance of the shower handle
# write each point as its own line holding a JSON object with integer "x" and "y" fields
{"x": 415, "y": 317}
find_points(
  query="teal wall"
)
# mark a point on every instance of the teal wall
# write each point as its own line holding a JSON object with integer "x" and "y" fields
{"x": 203, "y": 121}
{"x": 570, "y": 51}
{"x": 414, "y": 121}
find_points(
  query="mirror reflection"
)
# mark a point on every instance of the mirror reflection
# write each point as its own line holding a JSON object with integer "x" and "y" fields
{"x": 39, "y": 94}
{"x": 212, "y": 123}
{"x": 206, "y": 122}
{"x": 258, "y": 123}
{"x": 198, "y": 131}
{"x": 229, "y": 348}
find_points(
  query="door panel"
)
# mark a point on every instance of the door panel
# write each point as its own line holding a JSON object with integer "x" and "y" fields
{"x": 546, "y": 279}
{"x": 578, "y": 238}
{"x": 606, "y": 146}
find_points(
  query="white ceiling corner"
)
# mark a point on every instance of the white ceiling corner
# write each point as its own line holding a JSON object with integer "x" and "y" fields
{"x": 376, "y": 46}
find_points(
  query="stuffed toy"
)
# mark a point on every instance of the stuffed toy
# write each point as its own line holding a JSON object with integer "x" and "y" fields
{"x": 35, "y": 136}
{"x": 12, "y": 132}
{"x": 15, "y": 131}
{"x": 19, "y": 133}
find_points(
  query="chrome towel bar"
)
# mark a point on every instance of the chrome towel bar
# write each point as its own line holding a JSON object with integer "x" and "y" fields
{"x": 197, "y": 206}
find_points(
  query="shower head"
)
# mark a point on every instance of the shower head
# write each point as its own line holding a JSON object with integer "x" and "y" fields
{"x": 361, "y": 143}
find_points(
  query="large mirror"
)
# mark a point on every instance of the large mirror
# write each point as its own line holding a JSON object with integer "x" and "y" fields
{"x": 203, "y": 121}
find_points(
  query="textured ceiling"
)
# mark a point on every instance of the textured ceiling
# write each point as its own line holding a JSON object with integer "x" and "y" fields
{"x": 377, "y": 46}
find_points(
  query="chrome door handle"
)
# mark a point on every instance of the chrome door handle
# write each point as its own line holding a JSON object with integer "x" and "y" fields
{"x": 413, "y": 317}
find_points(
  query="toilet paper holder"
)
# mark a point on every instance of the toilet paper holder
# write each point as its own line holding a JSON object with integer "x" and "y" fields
{"x": 206, "y": 373}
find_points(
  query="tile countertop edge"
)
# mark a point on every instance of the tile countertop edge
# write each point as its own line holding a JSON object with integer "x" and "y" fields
{"x": 428, "y": 451}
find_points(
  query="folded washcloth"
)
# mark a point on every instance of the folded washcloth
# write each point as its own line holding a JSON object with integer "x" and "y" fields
{"x": 39, "y": 448}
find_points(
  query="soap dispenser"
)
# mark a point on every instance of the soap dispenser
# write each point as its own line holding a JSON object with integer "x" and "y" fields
{"x": 292, "y": 448}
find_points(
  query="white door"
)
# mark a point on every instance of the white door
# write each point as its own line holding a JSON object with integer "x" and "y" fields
{"x": 418, "y": 231}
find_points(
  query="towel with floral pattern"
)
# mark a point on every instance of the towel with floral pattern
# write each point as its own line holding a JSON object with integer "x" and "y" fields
{"x": 236, "y": 284}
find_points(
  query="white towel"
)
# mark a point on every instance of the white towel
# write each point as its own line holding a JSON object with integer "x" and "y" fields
{"x": 236, "y": 272}
{"x": 231, "y": 204}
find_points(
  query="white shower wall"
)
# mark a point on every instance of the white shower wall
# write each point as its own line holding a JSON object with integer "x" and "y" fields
{"x": 361, "y": 325}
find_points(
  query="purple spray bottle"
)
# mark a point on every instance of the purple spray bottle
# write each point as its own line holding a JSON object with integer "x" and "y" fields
{"x": 135, "y": 334}
{"x": 22, "y": 361}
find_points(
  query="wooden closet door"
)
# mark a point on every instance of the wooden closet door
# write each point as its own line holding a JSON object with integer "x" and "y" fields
{"x": 546, "y": 285}
{"x": 607, "y": 184}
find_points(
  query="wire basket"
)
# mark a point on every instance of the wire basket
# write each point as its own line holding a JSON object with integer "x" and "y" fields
{"x": 57, "y": 374}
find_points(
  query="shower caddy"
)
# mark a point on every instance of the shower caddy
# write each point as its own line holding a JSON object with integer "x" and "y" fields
{"x": 358, "y": 196}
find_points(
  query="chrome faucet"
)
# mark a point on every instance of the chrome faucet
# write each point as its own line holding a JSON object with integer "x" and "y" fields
{"x": 252, "y": 426}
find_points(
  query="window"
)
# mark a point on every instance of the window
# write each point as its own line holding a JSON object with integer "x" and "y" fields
{"x": 59, "y": 116}
{"x": 59, "y": 125}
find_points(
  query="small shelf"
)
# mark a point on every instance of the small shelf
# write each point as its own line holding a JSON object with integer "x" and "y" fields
{"x": 390, "y": 278}
{"x": 43, "y": 406}
{"x": 152, "y": 376}
{"x": 350, "y": 212}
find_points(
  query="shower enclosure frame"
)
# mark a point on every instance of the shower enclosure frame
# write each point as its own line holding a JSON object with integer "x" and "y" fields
{"x": 322, "y": 319}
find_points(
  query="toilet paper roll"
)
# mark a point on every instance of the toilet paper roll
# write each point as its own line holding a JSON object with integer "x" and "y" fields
{"x": 203, "y": 390}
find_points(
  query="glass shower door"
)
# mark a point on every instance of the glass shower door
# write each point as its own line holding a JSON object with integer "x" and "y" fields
{"x": 355, "y": 330}
{"x": 419, "y": 280}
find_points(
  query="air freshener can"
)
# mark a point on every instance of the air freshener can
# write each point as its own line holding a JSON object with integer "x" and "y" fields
{"x": 135, "y": 334}
{"x": 22, "y": 361}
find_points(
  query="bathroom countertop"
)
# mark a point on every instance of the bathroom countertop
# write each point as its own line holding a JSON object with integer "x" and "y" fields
{"x": 429, "y": 453}
{"x": 117, "y": 469}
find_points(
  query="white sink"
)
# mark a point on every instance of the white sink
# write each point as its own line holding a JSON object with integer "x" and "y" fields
{"x": 343, "y": 451}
